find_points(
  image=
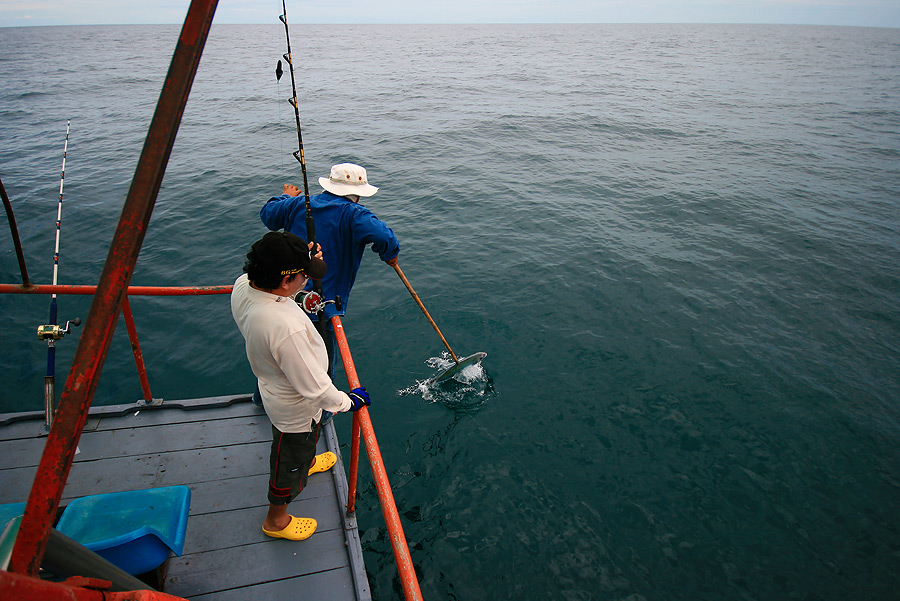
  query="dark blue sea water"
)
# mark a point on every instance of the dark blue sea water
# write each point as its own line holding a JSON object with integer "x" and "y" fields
{"x": 679, "y": 245}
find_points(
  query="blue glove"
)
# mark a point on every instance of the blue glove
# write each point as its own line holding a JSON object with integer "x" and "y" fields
{"x": 359, "y": 398}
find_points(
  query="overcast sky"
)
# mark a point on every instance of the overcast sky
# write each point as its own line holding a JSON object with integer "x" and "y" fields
{"x": 867, "y": 13}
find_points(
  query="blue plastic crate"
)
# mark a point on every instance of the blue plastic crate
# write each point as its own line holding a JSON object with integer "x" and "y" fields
{"x": 135, "y": 530}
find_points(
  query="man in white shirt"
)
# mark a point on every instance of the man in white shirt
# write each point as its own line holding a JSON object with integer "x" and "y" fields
{"x": 288, "y": 358}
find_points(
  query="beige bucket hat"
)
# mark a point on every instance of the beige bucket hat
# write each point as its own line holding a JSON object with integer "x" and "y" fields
{"x": 346, "y": 179}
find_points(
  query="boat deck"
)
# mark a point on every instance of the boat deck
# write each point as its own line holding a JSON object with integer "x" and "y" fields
{"x": 219, "y": 447}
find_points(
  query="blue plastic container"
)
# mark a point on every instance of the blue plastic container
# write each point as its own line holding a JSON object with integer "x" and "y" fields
{"x": 10, "y": 518}
{"x": 10, "y": 511}
{"x": 135, "y": 530}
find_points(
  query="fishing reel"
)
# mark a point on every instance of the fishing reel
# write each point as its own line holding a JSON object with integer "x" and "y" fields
{"x": 312, "y": 302}
{"x": 52, "y": 332}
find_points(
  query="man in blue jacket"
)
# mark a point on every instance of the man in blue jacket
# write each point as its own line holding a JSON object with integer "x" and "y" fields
{"x": 344, "y": 228}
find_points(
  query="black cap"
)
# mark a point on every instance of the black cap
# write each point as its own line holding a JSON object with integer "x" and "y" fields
{"x": 286, "y": 254}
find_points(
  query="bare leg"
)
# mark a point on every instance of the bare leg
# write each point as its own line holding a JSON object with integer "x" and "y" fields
{"x": 277, "y": 518}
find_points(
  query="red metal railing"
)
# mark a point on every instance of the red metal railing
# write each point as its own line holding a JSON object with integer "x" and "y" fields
{"x": 362, "y": 422}
{"x": 130, "y": 291}
{"x": 126, "y": 312}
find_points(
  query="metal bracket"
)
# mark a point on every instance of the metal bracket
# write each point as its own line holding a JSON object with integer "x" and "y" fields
{"x": 151, "y": 403}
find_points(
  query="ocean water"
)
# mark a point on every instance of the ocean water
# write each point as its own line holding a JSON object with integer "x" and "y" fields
{"x": 679, "y": 246}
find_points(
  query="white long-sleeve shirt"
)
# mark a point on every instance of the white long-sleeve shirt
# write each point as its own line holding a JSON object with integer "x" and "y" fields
{"x": 287, "y": 356}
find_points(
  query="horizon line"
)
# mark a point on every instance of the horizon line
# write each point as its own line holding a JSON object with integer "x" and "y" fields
{"x": 749, "y": 23}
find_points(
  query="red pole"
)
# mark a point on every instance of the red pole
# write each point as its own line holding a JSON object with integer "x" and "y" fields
{"x": 75, "y": 401}
{"x": 386, "y": 497}
{"x": 131, "y": 291}
{"x": 354, "y": 464}
{"x": 353, "y": 381}
{"x": 136, "y": 349}
{"x": 76, "y": 588}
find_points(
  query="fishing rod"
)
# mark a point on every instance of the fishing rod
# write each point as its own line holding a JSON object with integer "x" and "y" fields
{"x": 52, "y": 332}
{"x": 316, "y": 304}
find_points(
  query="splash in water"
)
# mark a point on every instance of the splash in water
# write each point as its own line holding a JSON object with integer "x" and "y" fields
{"x": 466, "y": 392}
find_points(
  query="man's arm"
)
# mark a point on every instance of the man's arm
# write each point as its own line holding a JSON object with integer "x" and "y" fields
{"x": 278, "y": 211}
{"x": 368, "y": 229}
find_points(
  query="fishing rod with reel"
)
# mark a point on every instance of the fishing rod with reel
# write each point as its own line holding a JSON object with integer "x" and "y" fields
{"x": 52, "y": 332}
{"x": 311, "y": 301}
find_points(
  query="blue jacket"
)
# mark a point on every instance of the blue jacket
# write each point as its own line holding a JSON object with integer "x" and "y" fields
{"x": 343, "y": 229}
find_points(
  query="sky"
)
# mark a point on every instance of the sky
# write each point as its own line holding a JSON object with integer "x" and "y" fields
{"x": 865, "y": 13}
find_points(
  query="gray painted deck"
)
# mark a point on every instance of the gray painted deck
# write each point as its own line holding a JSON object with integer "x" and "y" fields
{"x": 218, "y": 447}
